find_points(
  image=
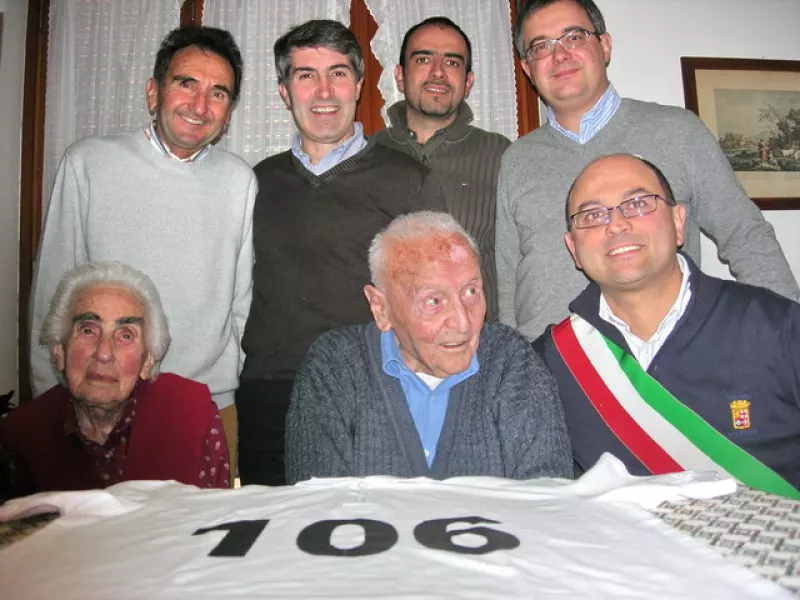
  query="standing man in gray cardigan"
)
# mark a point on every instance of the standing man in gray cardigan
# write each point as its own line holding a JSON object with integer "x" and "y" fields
{"x": 433, "y": 125}
{"x": 565, "y": 48}
{"x": 427, "y": 390}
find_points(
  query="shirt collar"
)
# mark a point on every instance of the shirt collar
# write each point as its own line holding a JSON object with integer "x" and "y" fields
{"x": 673, "y": 314}
{"x": 350, "y": 147}
{"x": 159, "y": 145}
{"x": 594, "y": 120}
{"x": 395, "y": 366}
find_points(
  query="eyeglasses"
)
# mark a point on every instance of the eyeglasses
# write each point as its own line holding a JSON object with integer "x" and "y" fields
{"x": 574, "y": 38}
{"x": 601, "y": 215}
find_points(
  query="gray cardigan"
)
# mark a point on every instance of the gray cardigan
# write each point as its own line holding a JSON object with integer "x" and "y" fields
{"x": 349, "y": 418}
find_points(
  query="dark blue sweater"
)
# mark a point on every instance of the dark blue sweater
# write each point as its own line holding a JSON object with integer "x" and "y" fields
{"x": 734, "y": 342}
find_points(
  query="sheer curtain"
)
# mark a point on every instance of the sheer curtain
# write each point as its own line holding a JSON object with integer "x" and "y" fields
{"x": 487, "y": 23}
{"x": 261, "y": 125}
{"x": 100, "y": 56}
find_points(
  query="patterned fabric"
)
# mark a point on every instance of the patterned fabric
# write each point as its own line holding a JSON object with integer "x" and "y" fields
{"x": 756, "y": 529}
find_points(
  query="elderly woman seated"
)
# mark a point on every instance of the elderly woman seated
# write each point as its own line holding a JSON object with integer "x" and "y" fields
{"x": 113, "y": 418}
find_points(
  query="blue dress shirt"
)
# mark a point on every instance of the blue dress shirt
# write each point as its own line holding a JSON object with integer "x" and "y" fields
{"x": 594, "y": 120}
{"x": 428, "y": 406}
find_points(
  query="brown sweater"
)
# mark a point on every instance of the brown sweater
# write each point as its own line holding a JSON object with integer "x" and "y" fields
{"x": 311, "y": 236}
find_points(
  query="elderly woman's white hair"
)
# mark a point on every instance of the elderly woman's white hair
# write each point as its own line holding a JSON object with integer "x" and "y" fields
{"x": 412, "y": 227}
{"x": 57, "y": 325}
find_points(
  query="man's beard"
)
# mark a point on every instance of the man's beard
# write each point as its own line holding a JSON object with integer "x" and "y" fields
{"x": 436, "y": 110}
{"x": 434, "y": 106}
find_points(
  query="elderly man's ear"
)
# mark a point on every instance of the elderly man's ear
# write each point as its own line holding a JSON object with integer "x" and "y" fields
{"x": 379, "y": 307}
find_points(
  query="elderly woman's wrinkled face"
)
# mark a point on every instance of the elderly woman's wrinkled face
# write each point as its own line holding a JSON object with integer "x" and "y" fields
{"x": 105, "y": 354}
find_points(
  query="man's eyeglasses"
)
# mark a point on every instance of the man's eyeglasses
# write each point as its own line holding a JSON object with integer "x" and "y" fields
{"x": 601, "y": 215}
{"x": 574, "y": 38}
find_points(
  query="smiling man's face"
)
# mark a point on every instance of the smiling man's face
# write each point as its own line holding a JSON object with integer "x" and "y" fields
{"x": 193, "y": 104}
{"x": 435, "y": 79}
{"x": 570, "y": 81}
{"x": 321, "y": 92}
{"x": 626, "y": 254}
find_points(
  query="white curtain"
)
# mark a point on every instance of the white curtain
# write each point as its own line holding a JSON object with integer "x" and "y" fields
{"x": 100, "y": 56}
{"x": 487, "y": 23}
{"x": 261, "y": 125}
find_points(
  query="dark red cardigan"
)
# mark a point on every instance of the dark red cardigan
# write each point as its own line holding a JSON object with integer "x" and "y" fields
{"x": 172, "y": 420}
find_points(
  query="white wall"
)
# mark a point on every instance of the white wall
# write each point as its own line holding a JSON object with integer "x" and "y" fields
{"x": 12, "y": 57}
{"x": 650, "y": 36}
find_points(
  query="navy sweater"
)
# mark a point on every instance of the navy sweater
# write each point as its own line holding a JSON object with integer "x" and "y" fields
{"x": 734, "y": 342}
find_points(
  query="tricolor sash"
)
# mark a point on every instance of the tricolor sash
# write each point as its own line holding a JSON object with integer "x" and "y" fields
{"x": 664, "y": 434}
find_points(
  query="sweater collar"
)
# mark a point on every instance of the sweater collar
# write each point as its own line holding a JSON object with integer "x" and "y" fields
{"x": 456, "y": 130}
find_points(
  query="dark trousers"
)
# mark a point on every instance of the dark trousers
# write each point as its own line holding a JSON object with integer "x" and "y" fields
{"x": 261, "y": 408}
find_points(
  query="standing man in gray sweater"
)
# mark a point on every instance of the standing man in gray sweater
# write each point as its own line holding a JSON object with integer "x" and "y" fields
{"x": 565, "y": 49}
{"x": 433, "y": 125}
{"x": 428, "y": 389}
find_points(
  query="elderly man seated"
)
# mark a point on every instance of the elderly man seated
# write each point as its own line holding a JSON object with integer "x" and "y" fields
{"x": 659, "y": 364}
{"x": 111, "y": 419}
{"x": 427, "y": 389}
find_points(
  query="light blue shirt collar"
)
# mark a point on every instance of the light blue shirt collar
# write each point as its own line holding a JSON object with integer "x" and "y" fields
{"x": 350, "y": 147}
{"x": 594, "y": 120}
{"x": 394, "y": 364}
{"x": 428, "y": 406}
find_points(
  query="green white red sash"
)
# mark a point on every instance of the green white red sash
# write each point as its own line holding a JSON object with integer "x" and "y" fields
{"x": 664, "y": 434}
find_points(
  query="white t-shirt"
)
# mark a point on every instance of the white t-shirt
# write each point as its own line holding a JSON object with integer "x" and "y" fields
{"x": 373, "y": 537}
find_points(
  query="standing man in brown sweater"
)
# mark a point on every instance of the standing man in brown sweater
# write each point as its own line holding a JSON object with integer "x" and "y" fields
{"x": 318, "y": 207}
{"x": 433, "y": 125}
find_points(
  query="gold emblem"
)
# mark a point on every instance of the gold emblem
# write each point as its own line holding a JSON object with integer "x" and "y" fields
{"x": 740, "y": 413}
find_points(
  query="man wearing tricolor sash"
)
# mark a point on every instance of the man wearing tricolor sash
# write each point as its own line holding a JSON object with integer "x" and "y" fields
{"x": 663, "y": 366}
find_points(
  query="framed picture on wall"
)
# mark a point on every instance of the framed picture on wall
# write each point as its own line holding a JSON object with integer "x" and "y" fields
{"x": 753, "y": 108}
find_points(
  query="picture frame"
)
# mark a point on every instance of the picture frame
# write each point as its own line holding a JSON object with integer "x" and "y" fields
{"x": 752, "y": 107}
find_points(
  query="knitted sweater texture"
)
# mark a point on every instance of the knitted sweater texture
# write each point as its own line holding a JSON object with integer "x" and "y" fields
{"x": 536, "y": 276}
{"x": 311, "y": 236}
{"x": 465, "y": 160}
{"x": 349, "y": 418}
{"x": 188, "y": 226}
